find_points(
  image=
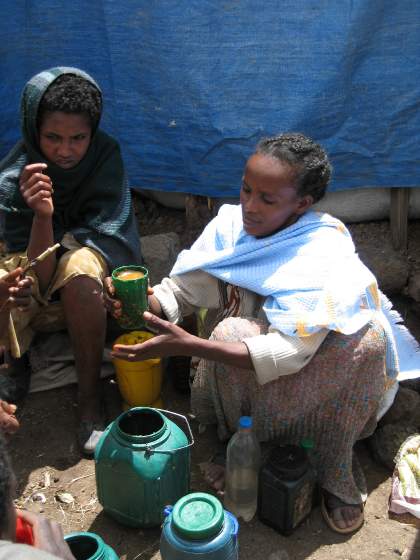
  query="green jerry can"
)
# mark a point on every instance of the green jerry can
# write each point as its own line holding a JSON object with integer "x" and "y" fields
{"x": 89, "y": 546}
{"x": 142, "y": 463}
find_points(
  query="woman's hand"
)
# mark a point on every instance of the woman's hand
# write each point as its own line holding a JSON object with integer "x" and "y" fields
{"x": 37, "y": 189}
{"x": 15, "y": 290}
{"x": 48, "y": 535}
{"x": 169, "y": 340}
{"x": 113, "y": 305}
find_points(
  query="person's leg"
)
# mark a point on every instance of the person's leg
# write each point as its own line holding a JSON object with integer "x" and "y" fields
{"x": 86, "y": 322}
{"x": 359, "y": 378}
{"x": 330, "y": 400}
{"x": 78, "y": 278}
{"x": 212, "y": 404}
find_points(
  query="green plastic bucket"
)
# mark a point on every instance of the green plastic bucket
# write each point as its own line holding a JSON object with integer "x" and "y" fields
{"x": 142, "y": 463}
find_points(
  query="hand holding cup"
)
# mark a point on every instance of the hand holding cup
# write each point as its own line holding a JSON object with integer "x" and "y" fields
{"x": 130, "y": 285}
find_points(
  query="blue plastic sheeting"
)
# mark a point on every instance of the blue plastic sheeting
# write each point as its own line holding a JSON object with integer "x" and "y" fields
{"x": 191, "y": 85}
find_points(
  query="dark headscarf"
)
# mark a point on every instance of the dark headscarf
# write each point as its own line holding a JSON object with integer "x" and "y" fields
{"x": 92, "y": 201}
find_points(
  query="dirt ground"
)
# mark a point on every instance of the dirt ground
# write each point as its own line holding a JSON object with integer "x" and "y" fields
{"x": 54, "y": 480}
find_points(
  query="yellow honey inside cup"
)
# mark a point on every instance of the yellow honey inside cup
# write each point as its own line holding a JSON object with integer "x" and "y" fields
{"x": 130, "y": 275}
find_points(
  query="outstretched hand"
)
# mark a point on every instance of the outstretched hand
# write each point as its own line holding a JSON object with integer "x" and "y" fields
{"x": 169, "y": 340}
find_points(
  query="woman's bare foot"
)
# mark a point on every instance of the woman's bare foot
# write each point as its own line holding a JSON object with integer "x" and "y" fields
{"x": 341, "y": 517}
{"x": 214, "y": 472}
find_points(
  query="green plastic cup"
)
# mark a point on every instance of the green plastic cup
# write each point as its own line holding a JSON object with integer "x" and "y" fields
{"x": 130, "y": 283}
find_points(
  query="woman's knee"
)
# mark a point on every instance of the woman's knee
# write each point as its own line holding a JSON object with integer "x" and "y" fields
{"x": 373, "y": 344}
{"x": 235, "y": 329}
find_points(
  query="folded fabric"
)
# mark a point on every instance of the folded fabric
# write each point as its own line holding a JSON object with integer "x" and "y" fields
{"x": 52, "y": 362}
{"x": 310, "y": 273}
{"x": 405, "y": 493}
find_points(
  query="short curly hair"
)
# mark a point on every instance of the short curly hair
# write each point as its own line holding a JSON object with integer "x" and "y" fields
{"x": 306, "y": 157}
{"x": 72, "y": 94}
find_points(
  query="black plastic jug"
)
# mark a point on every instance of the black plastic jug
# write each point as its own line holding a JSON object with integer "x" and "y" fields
{"x": 286, "y": 488}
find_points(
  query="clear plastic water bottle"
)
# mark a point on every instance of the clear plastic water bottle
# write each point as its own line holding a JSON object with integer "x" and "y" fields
{"x": 242, "y": 468}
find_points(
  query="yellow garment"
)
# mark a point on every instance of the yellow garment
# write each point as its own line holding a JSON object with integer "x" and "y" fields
{"x": 43, "y": 315}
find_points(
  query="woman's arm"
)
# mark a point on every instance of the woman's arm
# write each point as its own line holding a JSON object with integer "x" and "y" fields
{"x": 171, "y": 340}
{"x": 275, "y": 354}
{"x": 40, "y": 239}
{"x": 231, "y": 353}
{"x": 183, "y": 295}
{"x": 270, "y": 355}
{"x": 36, "y": 189}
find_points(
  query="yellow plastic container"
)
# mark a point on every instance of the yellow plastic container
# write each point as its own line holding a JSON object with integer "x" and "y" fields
{"x": 157, "y": 404}
{"x": 140, "y": 383}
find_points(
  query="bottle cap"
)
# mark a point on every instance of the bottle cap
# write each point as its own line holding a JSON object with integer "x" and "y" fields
{"x": 245, "y": 422}
{"x": 307, "y": 444}
{"x": 198, "y": 516}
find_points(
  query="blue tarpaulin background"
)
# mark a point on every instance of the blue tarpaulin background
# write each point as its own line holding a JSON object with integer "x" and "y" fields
{"x": 190, "y": 86}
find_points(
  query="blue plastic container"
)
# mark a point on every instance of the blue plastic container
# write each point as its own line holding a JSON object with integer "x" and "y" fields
{"x": 198, "y": 528}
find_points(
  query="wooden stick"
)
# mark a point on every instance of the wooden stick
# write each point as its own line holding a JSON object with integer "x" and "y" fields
{"x": 33, "y": 262}
{"x": 41, "y": 257}
{"x": 400, "y": 202}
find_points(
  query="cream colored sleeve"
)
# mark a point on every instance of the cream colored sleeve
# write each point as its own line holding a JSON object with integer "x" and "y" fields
{"x": 181, "y": 295}
{"x": 275, "y": 354}
{"x": 13, "y": 551}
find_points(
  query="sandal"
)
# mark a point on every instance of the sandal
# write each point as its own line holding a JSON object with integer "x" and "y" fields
{"x": 330, "y": 502}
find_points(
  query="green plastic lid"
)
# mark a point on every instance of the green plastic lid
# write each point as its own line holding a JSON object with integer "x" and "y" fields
{"x": 198, "y": 516}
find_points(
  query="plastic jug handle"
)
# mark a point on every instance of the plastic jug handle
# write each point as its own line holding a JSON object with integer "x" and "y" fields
{"x": 235, "y": 528}
{"x": 167, "y": 510}
{"x": 191, "y": 442}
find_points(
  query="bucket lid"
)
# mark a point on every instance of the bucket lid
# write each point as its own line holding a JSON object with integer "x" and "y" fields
{"x": 198, "y": 516}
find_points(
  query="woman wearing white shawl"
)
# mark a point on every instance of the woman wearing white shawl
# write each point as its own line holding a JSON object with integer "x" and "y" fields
{"x": 298, "y": 339}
